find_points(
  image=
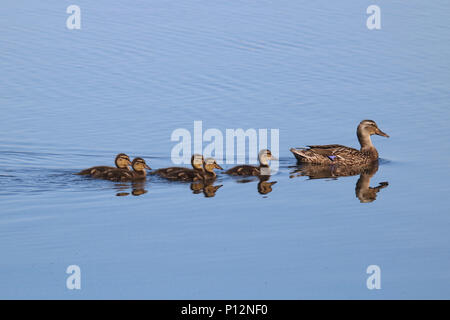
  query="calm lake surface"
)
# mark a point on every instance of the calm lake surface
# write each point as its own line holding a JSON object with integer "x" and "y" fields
{"x": 136, "y": 71}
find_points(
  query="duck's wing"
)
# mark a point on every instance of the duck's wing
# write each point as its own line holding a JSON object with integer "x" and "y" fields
{"x": 244, "y": 170}
{"x": 95, "y": 170}
{"x": 178, "y": 173}
{"x": 167, "y": 171}
{"x": 184, "y": 175}
{"x": 118, "y": 175}
{"x": 324, "y": 154}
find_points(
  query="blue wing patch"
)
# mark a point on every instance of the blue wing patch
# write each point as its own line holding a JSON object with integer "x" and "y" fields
{"x": 332, "y": 158}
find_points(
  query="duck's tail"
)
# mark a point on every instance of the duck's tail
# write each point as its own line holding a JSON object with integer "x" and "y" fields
{"x": 301, "y": 155}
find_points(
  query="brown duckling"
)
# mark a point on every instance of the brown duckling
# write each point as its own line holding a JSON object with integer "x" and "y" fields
{"x": 208, "y": 169}
{"x": 338, "y": 154}
{"x": 183, "y": 173}
{"x": 122, "y": 161}
{"x": 247, "y": 170}
{"x": 139, "y": 172}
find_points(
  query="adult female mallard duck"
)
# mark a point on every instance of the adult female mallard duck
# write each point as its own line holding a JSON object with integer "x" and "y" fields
{"x": 247, "y": 170}
{"x": 122, "y": 161}
{"x": 338, "y": 154}
{"x": 182, "y": 173}
{"x": 139, "y": 172}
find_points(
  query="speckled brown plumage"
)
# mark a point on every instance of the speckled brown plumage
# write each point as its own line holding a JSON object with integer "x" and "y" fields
{"x": 202, "y": 171}
{"x": 182, "y": 173}
{"x": 247, "y": 170}
{"x": 122, "y": 161}
{"x": 339, "y": 154}
{"x": 121, "y": 175}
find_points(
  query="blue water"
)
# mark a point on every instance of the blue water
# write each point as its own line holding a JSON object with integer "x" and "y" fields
{"x": 137, "y": 70}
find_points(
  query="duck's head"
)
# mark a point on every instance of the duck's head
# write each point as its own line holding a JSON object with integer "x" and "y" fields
{"x": 368, "y": 128}
{"x": 122, "y": 161}
{"x": 139, "y": 165}
{"x": 197, "y": 161}
{"x": 264, "y": 156}
{"x": 210, "y": 165}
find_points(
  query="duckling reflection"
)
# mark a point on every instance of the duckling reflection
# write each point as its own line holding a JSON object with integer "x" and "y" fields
{"x": 363, "y": 191}
{"x": 138, "y": 188}
{"x": 209, "y": 190}
{"x": 265, "y": 186}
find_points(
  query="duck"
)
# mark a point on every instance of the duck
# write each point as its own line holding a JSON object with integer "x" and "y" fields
{"x": 248, "y": 170}
{"x": 208, "y": 173}
{"x": 122, "y": 161}
{"x": 339, "y": 154}
{"x": 122, "y": 175}
{"x": 182, "y": 173}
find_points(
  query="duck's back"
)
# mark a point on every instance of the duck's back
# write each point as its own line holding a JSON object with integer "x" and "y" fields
{"x": 330, "y": 154}
{"x": 95, "y": 171}
{"x": 164, "y": 172}
{"x": 179, "y": 174}
{"x": 118, "y": 175}
{"x": 244, "y": 170}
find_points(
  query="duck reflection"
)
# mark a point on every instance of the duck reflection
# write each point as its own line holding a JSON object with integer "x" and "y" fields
{"x": 364, "y": 192}
{"x": 137, "y": 188}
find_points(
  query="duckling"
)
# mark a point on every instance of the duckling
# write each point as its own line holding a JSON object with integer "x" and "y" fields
{"x": 338, "y": 154}
{"x": 247, "y": 170}
{"x": 182, "y": 173}
{"x": 122, "y": 161}
{"x": 139, "y": 172}
{"x": 209, "y": 165}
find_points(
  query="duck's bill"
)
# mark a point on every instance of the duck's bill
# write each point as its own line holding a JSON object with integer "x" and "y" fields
{"x": 147, "y": 167}
{"x": 218, "y": 167}
{"x": 273, "y": 158}
{"x": 381, "y": 133}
